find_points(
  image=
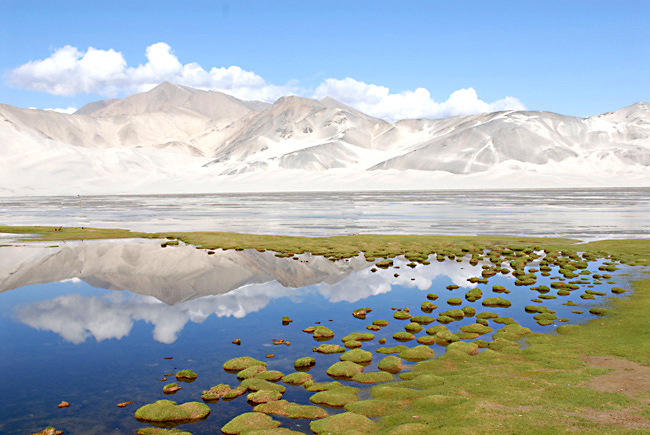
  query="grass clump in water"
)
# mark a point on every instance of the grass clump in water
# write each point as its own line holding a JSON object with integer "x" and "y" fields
{"x": 166, "y": 411}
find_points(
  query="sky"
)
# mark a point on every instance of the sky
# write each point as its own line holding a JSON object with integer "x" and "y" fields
{"x": 394, "y": 60}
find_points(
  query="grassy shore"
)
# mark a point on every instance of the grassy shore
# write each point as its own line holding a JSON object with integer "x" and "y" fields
{"x": 593, "y": 378}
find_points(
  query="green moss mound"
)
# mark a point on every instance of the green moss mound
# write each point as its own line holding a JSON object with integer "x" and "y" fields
{"x": 497, "y": 302}
{"x": 428, "y": 307}
{"x": 255, "y": 384}
{"x": 426, "y": 339}
{"x": 599, "y": 311}
{"x": 454, "y": 301}
{"x": 344, "y": 370}
{"x": 389, "y": 350}
{"x": 270, "y": 375}
{"x": 166, "y": 411}
{"x": 305, "y": 362}
{"x": 241, "y": 363}
{"x": 403, "y": 336}
{"x": 358, "y": 356}
{"x": 343, "y": 424}
{"x": 465, "y": 347}
{"x": 336, "y": 397}
{"x": 401, "y": 315}
{"x": 380, "y": 322}
{"x": 359, "y": 336}
{"x": 435, "y": 329}
{"x": 413, "y": 327}
{"x": 250, "y": 372}
{"x": 184, "y": 375}
{"x": 171, "y": 388}
{"x": 247, "y": 422}
{"x": 291, "y": 410}
{"x": 423, "y": 320}
{"x": 322, "y": 332}
{"x": 328, "y": 349}
{"x": 474, "y": 294}
{"x": 476, "y": 328}
{"x": 297, "y": 378}
{"x": 468, "y": 311}
{"x": 454, "y": 313}
{"x": 323, "y": 386}
{"x": 390, "y": 364}
{"x": 214, "y": 393}
{"x": 264, "y": 396}
{"x": 417, "y": 353}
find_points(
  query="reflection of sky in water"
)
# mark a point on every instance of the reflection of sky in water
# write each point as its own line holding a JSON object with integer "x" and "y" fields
{"x": 76, "y": 317}
{"x": 95, "y": 347}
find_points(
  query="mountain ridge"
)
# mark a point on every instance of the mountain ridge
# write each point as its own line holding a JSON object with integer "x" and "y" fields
{"x": 178, "y": 136}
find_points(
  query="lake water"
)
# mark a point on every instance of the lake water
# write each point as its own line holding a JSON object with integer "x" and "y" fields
{"x": 585, "y": 214}
{"x": 92, "y": 322}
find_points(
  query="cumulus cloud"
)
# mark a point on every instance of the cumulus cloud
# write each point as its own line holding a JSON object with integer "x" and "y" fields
{"x": 380, "y": 102}
{"x": 69, "y": 71}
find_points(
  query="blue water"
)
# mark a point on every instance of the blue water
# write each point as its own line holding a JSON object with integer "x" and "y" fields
{"x": 95, "y": 347}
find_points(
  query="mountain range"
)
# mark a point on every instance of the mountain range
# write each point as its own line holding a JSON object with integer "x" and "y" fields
{"x": 175, "y": 139}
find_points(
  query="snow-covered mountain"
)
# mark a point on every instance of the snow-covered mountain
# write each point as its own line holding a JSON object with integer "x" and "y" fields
{"x": 178, "y": 139}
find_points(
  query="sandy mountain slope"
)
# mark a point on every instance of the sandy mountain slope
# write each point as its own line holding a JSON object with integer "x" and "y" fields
{"x": 183, "y": 140}
{"x": 169, "y": 116}
{"x": 478, "y": 143}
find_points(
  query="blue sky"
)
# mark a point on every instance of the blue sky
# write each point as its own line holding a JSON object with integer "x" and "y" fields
{"x": 389, "y": 59}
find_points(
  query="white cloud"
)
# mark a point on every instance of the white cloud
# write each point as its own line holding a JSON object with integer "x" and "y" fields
{"x": 69, "y": 71}
{"x": 68, "y": 110}
{"x": 378, "y": 101}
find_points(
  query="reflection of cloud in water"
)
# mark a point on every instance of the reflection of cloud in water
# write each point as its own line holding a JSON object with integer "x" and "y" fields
{"x": 76, "y": 318}
{"x": 365, "y": 283}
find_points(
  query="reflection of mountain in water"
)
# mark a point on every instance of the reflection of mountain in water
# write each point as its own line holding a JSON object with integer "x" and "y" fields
{"x": 172, "y": 275}
{"x": 192, "y": 284}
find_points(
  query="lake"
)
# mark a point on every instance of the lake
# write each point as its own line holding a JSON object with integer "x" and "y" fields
{"x": 585, "y": 214}
{"x": 92, "y": 323}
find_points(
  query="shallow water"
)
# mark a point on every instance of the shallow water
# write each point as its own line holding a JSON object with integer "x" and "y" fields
{"x": 91, "y": 323}
{"x": 585, "y": 214}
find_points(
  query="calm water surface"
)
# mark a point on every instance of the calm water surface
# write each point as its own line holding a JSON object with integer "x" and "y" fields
{"x": 578, "y": 213}
{"x": 92, "y": 323}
